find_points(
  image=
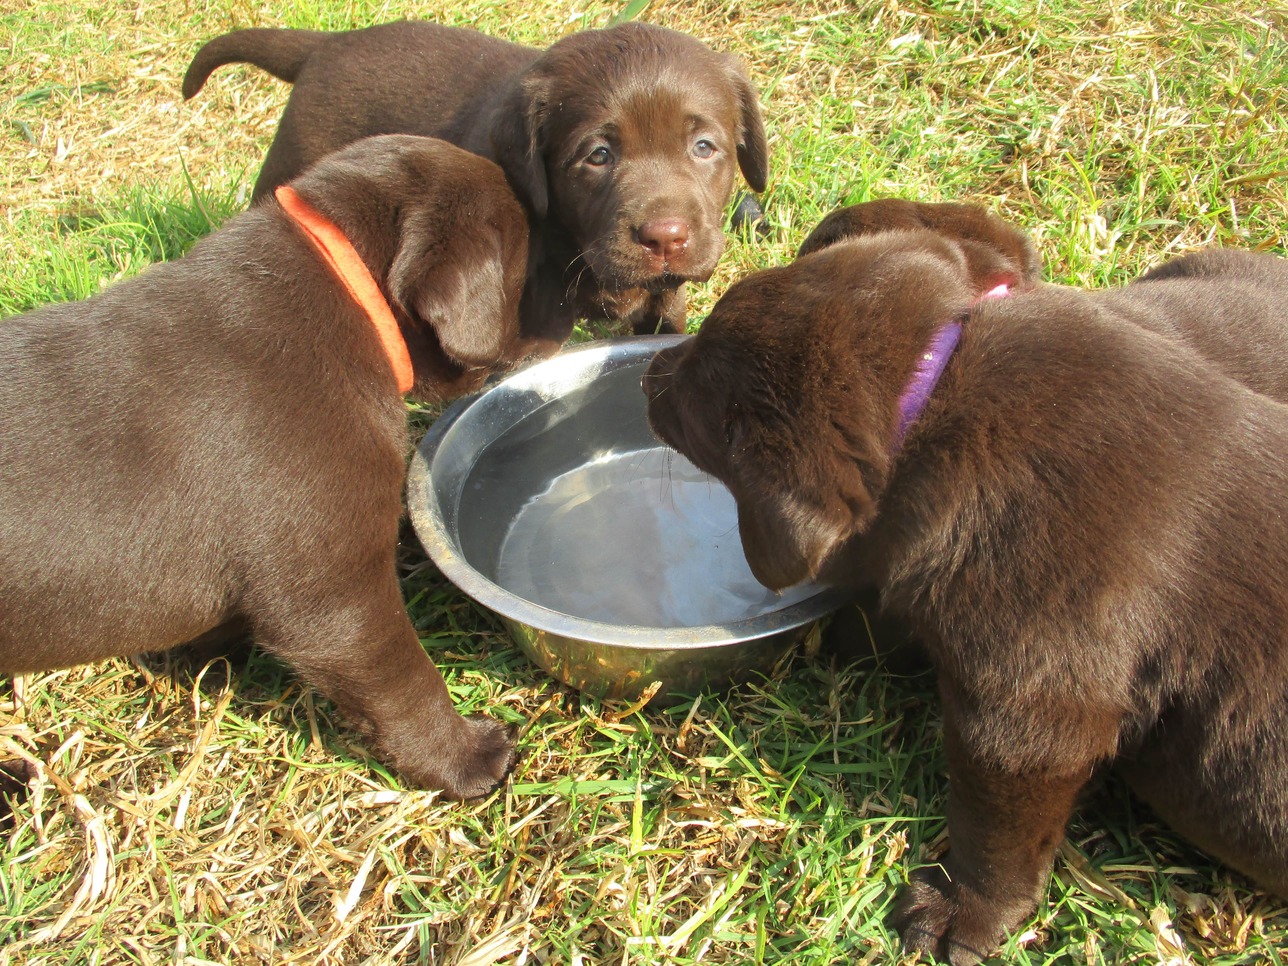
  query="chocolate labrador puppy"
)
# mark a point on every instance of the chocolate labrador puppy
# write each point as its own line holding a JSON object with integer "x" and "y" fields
{"x": 220, "y": 442}
{"x": 622, "y": 142}
{"x": 1075, "y": 499}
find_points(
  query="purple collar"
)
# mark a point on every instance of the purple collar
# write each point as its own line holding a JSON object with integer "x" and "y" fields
{"x": 931, "y": 365}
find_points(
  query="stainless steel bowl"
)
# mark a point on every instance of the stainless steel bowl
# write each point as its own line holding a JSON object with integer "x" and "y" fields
{"x": 612, "y": 561}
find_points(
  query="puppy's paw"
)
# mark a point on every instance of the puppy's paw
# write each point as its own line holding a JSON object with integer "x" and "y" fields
{"x": 951, "y": 922}
{"x": 473, "y": 761}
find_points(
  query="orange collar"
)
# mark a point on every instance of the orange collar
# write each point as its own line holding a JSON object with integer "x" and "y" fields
{"x": 340, "y": 255}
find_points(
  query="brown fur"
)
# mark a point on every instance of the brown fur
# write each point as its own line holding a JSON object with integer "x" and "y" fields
{"x": 616, "y": 240}
{"x": 219, "y": 443}
{"x": 1085, "y": 525}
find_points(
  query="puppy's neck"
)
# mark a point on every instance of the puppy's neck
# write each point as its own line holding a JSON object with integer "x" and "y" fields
{"x": 338, "y": 253}
{"x": 930, "y": 366}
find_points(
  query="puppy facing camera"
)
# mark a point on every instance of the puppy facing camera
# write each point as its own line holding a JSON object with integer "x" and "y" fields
{"x": 622, "y": 143}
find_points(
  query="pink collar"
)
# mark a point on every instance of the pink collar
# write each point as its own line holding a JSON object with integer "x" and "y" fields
{"x": 931, "y": 366}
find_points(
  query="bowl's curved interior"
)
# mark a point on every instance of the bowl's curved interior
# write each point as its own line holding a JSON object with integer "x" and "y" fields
{"x": 547, "y": 498}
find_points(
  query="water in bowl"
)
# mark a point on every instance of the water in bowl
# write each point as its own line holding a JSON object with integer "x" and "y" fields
{"x": 642, "y": 538}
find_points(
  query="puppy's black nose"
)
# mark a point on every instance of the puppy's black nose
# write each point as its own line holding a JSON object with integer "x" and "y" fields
{"x": 666, "y": 239}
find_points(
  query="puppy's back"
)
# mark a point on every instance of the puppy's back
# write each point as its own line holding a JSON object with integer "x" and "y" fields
{"x": 408, "y": 77}
{"x": 1230, "y": 306}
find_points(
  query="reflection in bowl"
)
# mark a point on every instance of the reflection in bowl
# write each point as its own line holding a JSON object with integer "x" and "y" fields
{"x": 611, "y": 559}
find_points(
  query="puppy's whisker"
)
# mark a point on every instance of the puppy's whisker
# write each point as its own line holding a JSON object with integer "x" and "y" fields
{"x": 570, "y": 291}
{"x": 637, "y": 464}
{"x": 667, "y": 478}
{"x": 662, "y": 392}
{"x": 585, "y": 264}
{"x": 573, "y": 261}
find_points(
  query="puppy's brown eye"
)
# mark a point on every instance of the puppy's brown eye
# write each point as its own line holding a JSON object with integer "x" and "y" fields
{"x": 703, "y": 149}
{"x": 598, "y": 157}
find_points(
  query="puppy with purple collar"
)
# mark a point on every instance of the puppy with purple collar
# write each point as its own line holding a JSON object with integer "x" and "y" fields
{"x": 1074, "y": 498}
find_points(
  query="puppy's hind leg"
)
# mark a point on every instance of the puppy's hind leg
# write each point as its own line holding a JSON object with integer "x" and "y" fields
{"x": 361, "y": 651}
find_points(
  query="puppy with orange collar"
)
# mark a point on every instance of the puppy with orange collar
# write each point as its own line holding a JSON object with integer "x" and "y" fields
{"x": 218, "y": 445}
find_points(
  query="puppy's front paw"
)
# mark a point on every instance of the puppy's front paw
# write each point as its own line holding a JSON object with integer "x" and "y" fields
{"x": 474, "y": 759}
{"x": 949, "y": 921}
{"x": 487, "y": 760}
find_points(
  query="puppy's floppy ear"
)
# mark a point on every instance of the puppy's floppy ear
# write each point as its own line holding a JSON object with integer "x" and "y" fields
{"x": 995, "y": 250}
{"x": 457, "y": 287}
{"x": 516, "y": 140}
{"x": 786, "y": 543}
{"x": 753, "y": 149}
{"x": 787, "y": 539}
{"x": 869, "y": 218}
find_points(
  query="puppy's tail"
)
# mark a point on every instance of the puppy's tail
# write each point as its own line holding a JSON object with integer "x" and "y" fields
{"x": 280, "y": 52}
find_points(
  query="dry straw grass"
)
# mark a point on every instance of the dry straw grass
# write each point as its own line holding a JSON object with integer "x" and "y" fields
{"x": 220, "y": 815}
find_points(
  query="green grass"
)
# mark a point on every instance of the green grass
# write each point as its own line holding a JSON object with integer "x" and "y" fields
{"x": 234, "y": 820}
{"x": 86, "y": 249}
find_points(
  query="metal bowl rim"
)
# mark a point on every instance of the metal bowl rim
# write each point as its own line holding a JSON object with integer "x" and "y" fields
{"x": 445, "y": 554}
